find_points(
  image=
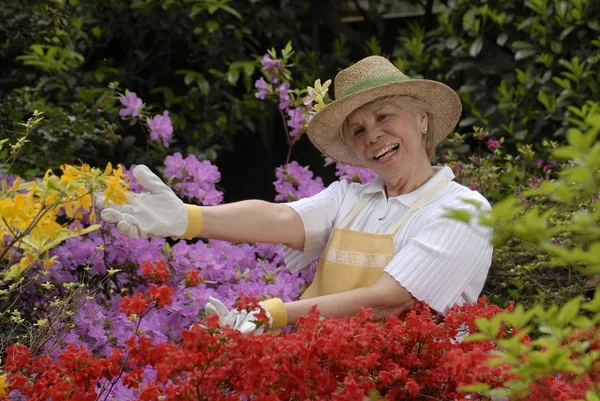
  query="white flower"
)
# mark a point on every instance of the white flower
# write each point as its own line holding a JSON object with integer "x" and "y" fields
{"x": 317, "y": 93}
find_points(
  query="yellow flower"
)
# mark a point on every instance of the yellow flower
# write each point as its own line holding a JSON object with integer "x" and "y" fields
{"x": 319, "y": 91}
{"x": 3, "y": 386}
{"x": 115, "y": 188}
{"x": 320, "y": 104}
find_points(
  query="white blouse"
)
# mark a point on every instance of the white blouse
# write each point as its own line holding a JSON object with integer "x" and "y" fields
{"x": 440, "y": 261}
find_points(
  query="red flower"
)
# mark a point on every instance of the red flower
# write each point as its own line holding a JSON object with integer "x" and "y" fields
{"x": 247, "y": 303}
{"x": 156, "y": 271}
{"x": 162, "y": 295}
{"x": 136, "y": 304}
{"x": 133, "y": 378}
{"x": 192, "y": 278}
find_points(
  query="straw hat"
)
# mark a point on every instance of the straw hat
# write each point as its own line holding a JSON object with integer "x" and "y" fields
{"x": 367, "y": 80}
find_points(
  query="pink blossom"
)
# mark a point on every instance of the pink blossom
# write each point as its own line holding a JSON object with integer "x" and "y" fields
{"x": 161, "y": 127}
{"x": 493, "y": 144}
{"x": 537, "y": 163}
{"x": 132, "y": 105}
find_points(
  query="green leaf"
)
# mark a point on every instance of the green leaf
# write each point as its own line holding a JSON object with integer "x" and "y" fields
{"x": 14, "y": 272}
{"x": 189, "y": 78}
{"x": 501, "y": 39}
{"x": 451, "y": 42}
{"x": 456, "y": 214}
{"x": 38, "y": 49}
{"x": 575, "y": 138}
{"x": 569, "y": 311}
{"x": 591, "y": 395}
{"x": 233, "y": 75}
{"x": 97, "y": 31}
{"x": 476, "y": 47}
{"x": 522, "y": 54}
{"x": 476, "y": 337}
{"x": 231, "y": 11}
{"x": 521, "y": 45}
{"x": 479, "y": 388}
{"x": 593, "y": 305}
{"x": 566, "y": 32}
{"x": 556, "y": 46}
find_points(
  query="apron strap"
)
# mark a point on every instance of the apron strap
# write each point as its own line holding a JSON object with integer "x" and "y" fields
{"x": 356, "y": 210}
{"x": 427, "y": 196}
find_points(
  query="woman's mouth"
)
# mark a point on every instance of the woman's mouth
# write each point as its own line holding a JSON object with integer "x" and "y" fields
{"x": 386, "y": 152}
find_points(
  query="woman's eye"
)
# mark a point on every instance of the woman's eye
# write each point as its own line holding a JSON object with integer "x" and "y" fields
{"x": 358, "y": 131}
{"x": 382, "y": 117}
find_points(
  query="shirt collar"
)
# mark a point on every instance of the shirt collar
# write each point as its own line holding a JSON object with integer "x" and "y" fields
{"x": 377, "y": 185}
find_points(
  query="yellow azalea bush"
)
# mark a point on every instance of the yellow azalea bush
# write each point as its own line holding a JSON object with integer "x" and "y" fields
{"x": 29, "y": 213}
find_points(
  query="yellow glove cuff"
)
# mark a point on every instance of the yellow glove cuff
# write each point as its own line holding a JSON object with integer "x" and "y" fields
{"x": 276, "y": 308}
{"x": 195, "y": 220}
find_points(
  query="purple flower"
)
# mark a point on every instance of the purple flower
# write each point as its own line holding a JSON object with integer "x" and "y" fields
{"x": 296, "y": 182}
{"x": 493, "y": 144}
{"x": 537, "y": 163}
{"x": 132, "y": 105}
{"x": 354, "y": 174}
{"x": 284, "y": 96}
{"x": 161, "y": 127}
{"x": 263, "y": 88}
{"x": 296, "y": 121}
{"x": 193, "y": 179}
{"x": 548, "y": 167}
{"x": 268, "y": 62}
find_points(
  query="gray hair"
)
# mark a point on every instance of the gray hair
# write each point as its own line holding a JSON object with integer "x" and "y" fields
{"x": 411, "y": 104}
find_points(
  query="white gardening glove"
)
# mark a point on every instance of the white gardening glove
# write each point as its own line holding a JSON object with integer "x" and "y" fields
{"x": 243, "y": 321}
{"x": 159, "y": 213}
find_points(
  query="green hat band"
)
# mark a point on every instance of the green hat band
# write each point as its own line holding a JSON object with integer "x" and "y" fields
{"x": 373, "y": 82}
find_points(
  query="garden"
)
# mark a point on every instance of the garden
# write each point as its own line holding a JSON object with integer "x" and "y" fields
{"x": 215, "y": 97}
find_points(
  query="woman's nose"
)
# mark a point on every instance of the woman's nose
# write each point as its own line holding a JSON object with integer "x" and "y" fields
{"x": 374, "y": 134}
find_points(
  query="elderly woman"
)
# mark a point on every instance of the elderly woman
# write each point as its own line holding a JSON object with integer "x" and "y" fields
{"x": 382, "y": 245}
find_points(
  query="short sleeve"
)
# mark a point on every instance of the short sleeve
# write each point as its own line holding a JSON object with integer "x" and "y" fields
{"x": 318, "y": 215}
{"x": 445, "y": 260}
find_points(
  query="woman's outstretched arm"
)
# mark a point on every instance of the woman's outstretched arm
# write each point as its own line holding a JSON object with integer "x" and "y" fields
{"x": 252, "y": 221}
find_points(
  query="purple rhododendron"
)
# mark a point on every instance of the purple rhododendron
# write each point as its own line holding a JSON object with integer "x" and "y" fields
{"x": 263, "y": 88}
{"x": 296, "y": 121}
{"x": 351, "y": 173}
{"x": 161, "y": 127}
{"x": 296, "y": 182}
{"x": 284, "y": 96}
{"x": 193, "y": 179}
{"x": 268, "y": 62}
{"x": 132, "y": 105}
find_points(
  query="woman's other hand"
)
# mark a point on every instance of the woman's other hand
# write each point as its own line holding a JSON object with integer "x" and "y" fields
{"x": 243, "y": 321}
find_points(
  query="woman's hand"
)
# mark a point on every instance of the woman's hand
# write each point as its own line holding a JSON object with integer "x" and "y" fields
{"x": 159, "y": 213}
{"x": 243, "y": 321}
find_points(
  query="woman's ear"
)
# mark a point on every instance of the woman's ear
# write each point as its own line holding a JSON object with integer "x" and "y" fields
{"x": 424, "y": 123}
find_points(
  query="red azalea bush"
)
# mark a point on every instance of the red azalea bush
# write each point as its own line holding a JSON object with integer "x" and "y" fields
{"x": 327, "y": 359}
{"x": 414, "y": 358}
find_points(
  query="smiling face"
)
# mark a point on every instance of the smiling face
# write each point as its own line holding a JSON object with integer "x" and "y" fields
{"x": 388, "y": 139}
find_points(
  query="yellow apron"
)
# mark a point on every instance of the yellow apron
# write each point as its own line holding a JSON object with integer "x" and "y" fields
{"x": 354, "y": 259}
